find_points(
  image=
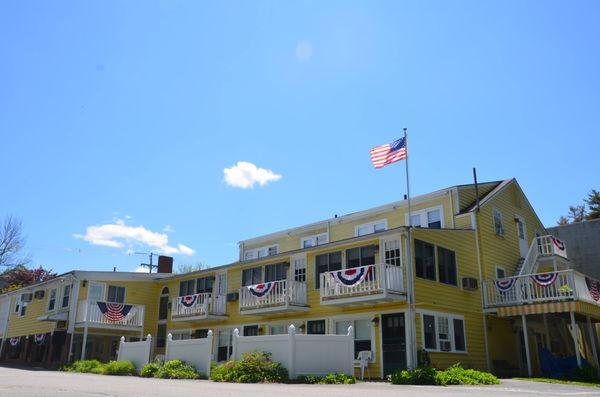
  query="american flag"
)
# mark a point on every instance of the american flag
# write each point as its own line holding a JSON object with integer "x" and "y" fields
{"x": 388, "y": 153}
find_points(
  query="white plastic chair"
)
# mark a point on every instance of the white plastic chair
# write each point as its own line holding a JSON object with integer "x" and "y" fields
{"x": 364, "y": 357}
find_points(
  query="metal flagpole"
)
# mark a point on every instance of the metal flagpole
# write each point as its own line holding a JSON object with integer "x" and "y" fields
{"x": 409, "y": 270}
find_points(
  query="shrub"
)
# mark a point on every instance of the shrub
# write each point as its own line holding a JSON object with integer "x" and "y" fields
{"x": 175, "y": 369}
{"x": 586, "y": 373}
{"x": 329, "y": 379}
{"x": 254, "y": 367}
{"x": 121, "y": 368}
{"x": 457, "y": 375}
{"x": 85, "y": 366}
{"x": 417, "y": 376}
{"x": 150, "y": 370}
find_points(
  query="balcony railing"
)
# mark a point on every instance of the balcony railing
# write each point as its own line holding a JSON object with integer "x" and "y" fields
{"x": 199, "y": 305}
{"x": 278, "y": 294}
{"x": 383, "y": 280}
{"x": 542, "y": 247}
{"x": 108, "y": 314}
{"x": 565, "y": 285}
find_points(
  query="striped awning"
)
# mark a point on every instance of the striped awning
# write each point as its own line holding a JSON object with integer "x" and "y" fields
{"x": 540, "y": 308}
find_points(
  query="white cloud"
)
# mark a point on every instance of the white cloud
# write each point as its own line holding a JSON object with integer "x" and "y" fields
{"x": 141, "y": 269}
{"x": 245, "y": 175}
{"x": 118, "y": 235}
{"x": 304, "y": 50}
{"x": 168, "y": 229}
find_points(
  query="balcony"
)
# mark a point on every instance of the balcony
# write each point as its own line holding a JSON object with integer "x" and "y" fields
{"x": 206, "y": 306}
{"x": 273, "y": 297}
{"x": 366, "y": 284}
{"x": 559, "y": 286}
{"x": 110, "y": 315}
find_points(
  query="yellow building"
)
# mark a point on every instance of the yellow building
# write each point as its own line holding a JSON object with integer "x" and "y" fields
{"x": 470, "y": 294}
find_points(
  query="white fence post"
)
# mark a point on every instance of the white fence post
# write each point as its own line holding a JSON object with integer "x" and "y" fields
{"x": 292, "y": 347}
{"x": 234, "y": 341}
{"x": 169, "y": 340}
{"x": 120, "y": 352}
{"x": 350, "y": 348}
{"x": 209, "y": 338}
{"x": 149, "y": 343}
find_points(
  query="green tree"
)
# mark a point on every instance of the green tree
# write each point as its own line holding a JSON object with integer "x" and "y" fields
{"x": 593, "y": 203}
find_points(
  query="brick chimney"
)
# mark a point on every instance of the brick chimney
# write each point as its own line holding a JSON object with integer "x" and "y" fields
{"x": 165, "y": 264}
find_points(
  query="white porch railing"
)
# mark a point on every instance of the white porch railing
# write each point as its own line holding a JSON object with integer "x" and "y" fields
{"x": 380, "y": 279}
{"x": 284, "y": 292}
{"x": 542, "y": 246}
{"x": 522, "y": 290}
{"x": 89, "y": 312}
{"x": 205, "y": 304}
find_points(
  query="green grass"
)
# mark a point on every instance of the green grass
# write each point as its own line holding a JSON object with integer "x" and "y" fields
{"x": 560, "y": 381}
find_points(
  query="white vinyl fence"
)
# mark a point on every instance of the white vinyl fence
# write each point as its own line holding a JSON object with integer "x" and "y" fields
{"x": 136, "y": 352}
{"x": 302, "y": 354}
{"x": 197, "y": 352}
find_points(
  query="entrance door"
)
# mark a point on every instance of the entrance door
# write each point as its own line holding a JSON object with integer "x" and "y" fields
{"x": 522, "y": 235}
{"x": 393, "y": 339}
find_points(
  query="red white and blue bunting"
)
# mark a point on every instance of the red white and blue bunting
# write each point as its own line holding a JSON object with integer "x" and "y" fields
{"x": 261, "y": 290}
{"x": 559, "y": 246}
{"x": 594, "y": 288}
{"x": 545, "y": 279}
{"x": 114, "y": 312}
{"x": 351, "y": 277}
{"x": 14, "y": 341}
{"x": 505, "y": 285}
{"x": 188, "y": 300}
{"x": 39, "y": 339}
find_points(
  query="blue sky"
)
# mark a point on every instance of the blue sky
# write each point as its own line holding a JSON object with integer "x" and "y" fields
{"x": 119, "y": 118}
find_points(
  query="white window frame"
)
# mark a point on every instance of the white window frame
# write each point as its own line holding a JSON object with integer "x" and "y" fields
{"x": 496, "y": 268}
{"x": 332, "y": 325}
{"x": 315, "y": 240}
{"x": 55, "y": 289}
{"x": 292, "y": 271}
{"x": 116, "y": 286}
{"x": 18, "y": 308}
{"x": 499, "y": 212}
{"x": 255, "y": 252}
{"x": 62, "y": 295}
{"x": 424, "y": 221}
{"x": 180, "y": 334}
{"x": 451, "y": 317}
{"x": 371, "y": 226}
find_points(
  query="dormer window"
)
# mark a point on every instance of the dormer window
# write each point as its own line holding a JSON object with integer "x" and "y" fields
{"x": 261, "y": 252}
{"x": 312, "y": 241}
{"x": 371, "y": 227}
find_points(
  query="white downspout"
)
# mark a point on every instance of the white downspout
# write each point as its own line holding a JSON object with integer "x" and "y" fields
{"x": 485, "y": 336}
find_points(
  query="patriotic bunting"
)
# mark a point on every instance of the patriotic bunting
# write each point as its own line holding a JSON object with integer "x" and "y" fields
{"x": 261, "y": 290}
{"x": 114, "y": 312}
{"x": 14, "y": 341}
{"x": 544, "y": 280}
{"x": 39, "y": 338}
{"x": 505, "y": 285}
{"x": 188, "y": 300}
{"x": 559, "y": 246}
{"x": 351, "y": 277}
{"x": 594, "y": 288}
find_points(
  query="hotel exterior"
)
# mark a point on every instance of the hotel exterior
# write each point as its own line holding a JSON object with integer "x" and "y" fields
{"x": 488, "y": 287}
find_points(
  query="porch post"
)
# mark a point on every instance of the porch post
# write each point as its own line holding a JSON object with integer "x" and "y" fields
{"x": 546, "y": 331}
{"x": 526, "y": 341}
{"x": 85, "y": 335}
{"x": 592, "y": 332}
{"x": 575, "y": 338}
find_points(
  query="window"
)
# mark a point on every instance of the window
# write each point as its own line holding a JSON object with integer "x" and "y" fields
{"x": 200, "y": 334}
{"x": 251, "y": 330}
{"x": 276, "y": 272}
{"x": 181, "y": 335}
{"x": 251, "y": 276}
{"x": 500, "y": 272}
{"x": 327, "y": 263}
{"x": 371, "y": 227}
{"x": 360, "y": 256}
{"x": 300, "y": 269}
{"x": 66, "y": 295}
{"x": 52, "y": 299}
{"x": 163, "y": 308}
{"x": 187, "y": 287}
{"x": 443, "y": 332}
{"x": 446, "y": 266}
{"x": 278, "y": 329}
{"x": 312, "y": 241}
{"x": 425, "y": 260}
{"x": 116, "y": 294}
{"x": 392, "y": 252}
{"x": 20, "y": 305}
{"x": 429, "y": 217}
{"x": 205, "y": 284}
{"x": 498, "y": 227}
{"x": 315, "y": 327}
{"x": 362, "y": 333}
{"x": 261, "y": 252}
{"x": 224, "y": 345}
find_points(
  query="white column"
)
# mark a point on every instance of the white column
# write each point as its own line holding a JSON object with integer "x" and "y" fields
{"x": 592, "y": 332}
{"x": 575, "y": 338}
{"x": 526, "y": 341}
{"x": 85, "y": 335}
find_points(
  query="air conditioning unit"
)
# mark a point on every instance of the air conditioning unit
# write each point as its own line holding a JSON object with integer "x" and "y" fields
{"x": 39, "y": 295}
{"x": 233, "y": 296}
{"x": 469, "y": 283}
{"x": 445, "y": 345}
{"x": 26, "y": 297}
